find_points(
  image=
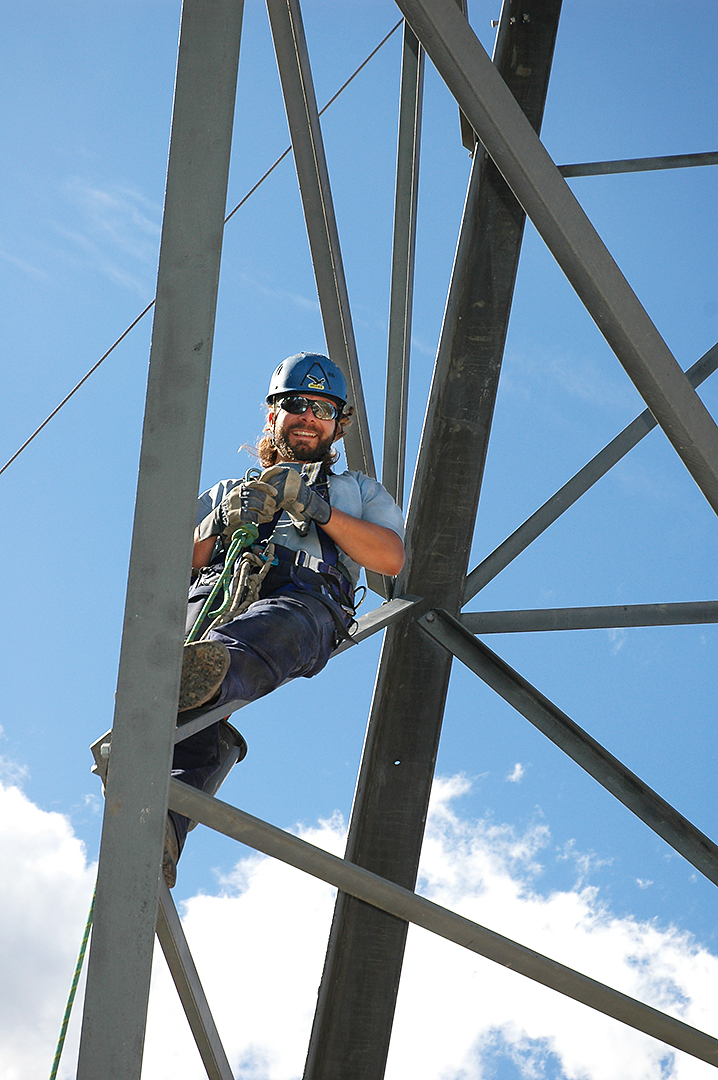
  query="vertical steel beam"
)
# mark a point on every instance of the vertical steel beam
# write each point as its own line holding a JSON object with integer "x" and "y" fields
{"x": 138, "y": 775}
{"x": 402, "y": 268}
{"x": 357, "y": 996}
{"x": 547, "y": 199}
{"x": 305, "y": 132}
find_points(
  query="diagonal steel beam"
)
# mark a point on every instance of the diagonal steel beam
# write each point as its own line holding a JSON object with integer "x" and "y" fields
{"x": 547, "y": 199}
{"x": 305, "y": 132}
{"x": 612, "y": 774}
{"x": 357, "y": 996}
{"x": 148, "y": 683}
{"x": 401, "y": 295}
{"x": 405, "y": 905}
{"x": 572, "y": 490}
{"x": 186, "y": 979}
{"x": 590, "y": 618}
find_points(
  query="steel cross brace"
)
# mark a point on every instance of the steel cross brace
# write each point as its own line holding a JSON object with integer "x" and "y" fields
{"x": 186, "y": 979}
{"x": 589, "y": 618}
{"x": 577, "y": 486}
{"x": 612, "y": 774}
{"x": 309, "y": 158}
{"x": 649, "y": 164}
{"x": 410, "y": 907}
{"x": 539, "y": 187}
{"x": 401, "y": 294}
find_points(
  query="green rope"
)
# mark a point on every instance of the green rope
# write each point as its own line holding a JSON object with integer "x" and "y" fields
{"x": 244, "y": 537}
{"x": 73, "y": 989}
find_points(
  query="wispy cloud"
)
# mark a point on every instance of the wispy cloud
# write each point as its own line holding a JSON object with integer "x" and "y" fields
{"x": 617, "y": 638}
{"x": 21, "y": 264}
{"x": 116, "y": 231}
{"x": 517, "y": 774}
{"x": 579, "y": 378}
{"x": 293, "y": 299}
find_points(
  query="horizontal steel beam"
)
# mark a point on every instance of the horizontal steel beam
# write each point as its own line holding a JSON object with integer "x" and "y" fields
{"x": 571, "y": 491}
{"x": 408, "y": 906}
{"x": 611, "y": 773}
{"x": 381, "y": 617}
{"x": 191, "y": 994}
{"x": 646, "y": 164}
{"x": 557, "y": 215}
{"x": 589, "y": 618}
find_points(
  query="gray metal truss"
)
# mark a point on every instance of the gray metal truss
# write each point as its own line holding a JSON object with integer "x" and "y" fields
{"x": 352, "y": 1025}
{"x": 406, "y": 906}
{"x": 512, "y": 174}
{"x": 539, "y": 187}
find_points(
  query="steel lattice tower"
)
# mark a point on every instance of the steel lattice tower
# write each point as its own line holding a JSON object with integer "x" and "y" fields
{"x": 512, "y": 177}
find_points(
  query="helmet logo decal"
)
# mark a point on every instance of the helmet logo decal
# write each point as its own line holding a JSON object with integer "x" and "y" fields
{"x": 315, "y": 378}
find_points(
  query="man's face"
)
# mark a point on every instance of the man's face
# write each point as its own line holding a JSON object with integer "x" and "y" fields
{"x": 305, "y": 437}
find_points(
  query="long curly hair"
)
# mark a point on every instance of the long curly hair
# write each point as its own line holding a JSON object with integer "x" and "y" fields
{"x": 269, "y": 454}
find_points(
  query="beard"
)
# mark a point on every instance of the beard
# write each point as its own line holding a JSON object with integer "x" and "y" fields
{"x": 304, "y": 451}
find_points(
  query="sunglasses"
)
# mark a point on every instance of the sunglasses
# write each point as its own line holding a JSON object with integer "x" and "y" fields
{"x": 298, "y": 405}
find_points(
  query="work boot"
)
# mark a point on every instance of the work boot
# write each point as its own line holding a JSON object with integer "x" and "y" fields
{"x": 204, "y": 665}
{"x": 171, "y": 854}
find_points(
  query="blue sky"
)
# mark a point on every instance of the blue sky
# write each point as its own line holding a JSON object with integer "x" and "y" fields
{"x": 86, "y": 104}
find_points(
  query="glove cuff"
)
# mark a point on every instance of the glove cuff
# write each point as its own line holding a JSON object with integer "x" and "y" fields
{"x": 319, "y": 509}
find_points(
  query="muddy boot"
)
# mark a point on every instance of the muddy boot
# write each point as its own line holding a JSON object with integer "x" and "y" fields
{"x": 171, "y": 854}
{"x": 204, "y": 665}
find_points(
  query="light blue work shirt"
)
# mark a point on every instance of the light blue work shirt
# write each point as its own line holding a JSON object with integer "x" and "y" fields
{"x": 353, "y": 492}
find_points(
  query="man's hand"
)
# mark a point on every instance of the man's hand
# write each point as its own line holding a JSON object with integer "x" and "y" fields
{"x": 294, "y": 495}
{"x": 253, "y": 501}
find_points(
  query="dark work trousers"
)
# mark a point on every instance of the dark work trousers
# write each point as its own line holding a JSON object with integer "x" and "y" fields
{"x": 287, "y": 634}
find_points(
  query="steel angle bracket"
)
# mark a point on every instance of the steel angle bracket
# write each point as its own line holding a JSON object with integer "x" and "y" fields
{"x": 598, "y": 762}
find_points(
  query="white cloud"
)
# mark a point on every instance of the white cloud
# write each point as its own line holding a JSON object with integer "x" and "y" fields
{"x": 45, "y": 893}
{"x": 517, "y": 774}
{"x": 259, "y": 938}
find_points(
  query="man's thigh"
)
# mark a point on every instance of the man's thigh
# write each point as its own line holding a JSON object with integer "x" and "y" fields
{"x": 281, "y": 637}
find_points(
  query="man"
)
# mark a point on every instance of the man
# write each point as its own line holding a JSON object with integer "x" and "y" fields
{"x": 324, "y": 528}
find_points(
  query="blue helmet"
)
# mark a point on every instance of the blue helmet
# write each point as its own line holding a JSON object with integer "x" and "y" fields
{"x": 308, "y": 373}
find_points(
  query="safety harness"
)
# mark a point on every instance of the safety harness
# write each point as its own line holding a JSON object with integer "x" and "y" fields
{"x": 265, "y": 567}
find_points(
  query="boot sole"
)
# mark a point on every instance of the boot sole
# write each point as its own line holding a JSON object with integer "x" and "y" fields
{"x": 204, "y": 665}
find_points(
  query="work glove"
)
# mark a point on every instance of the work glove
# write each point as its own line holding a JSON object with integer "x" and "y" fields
{"x": 252, "y": 501}
{"x": 294, "y": 495}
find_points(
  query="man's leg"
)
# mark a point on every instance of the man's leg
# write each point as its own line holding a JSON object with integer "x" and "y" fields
{"x": 281, "y": 637}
